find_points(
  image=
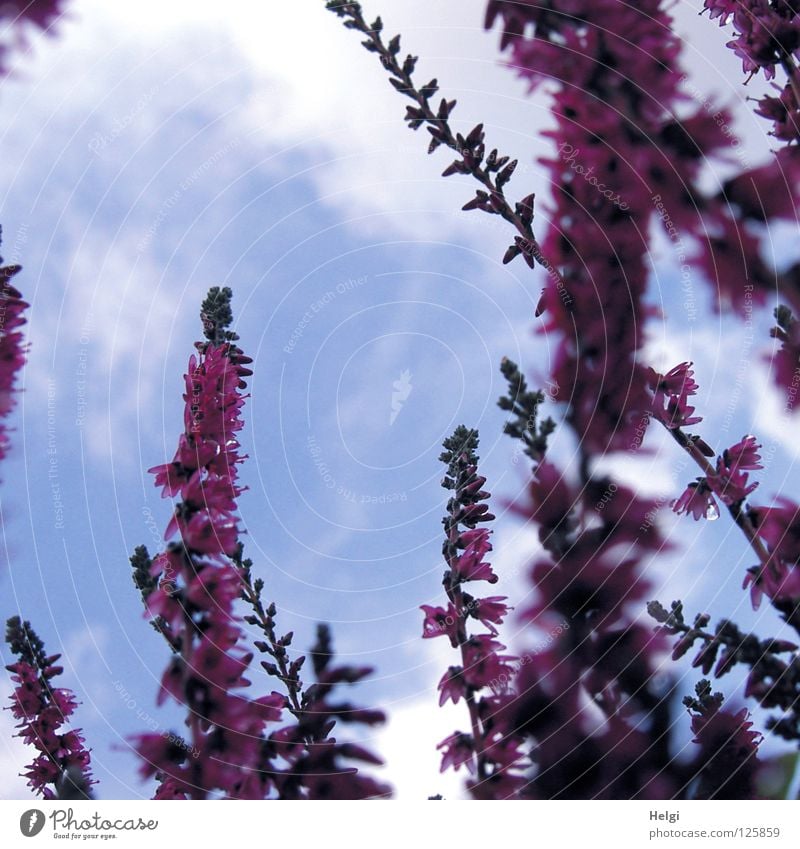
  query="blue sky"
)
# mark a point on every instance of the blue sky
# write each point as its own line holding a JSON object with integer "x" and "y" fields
{"x": 151, "y": 154}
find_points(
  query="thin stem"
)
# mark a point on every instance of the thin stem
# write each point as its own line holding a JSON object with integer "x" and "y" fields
{"x": 192, "y": 720}
{"x": 447, "y": 138}
{"x": 273, "y": 649}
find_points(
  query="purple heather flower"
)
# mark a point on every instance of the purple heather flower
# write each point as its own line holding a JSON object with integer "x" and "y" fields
{"x": 698, "y": 500}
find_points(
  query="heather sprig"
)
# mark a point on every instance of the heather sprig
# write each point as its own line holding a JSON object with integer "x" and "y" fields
{"x": 280, "y": 667}
{"x": 774, "y": 677}
{"x": 767, "y": 40}
{"x": 773, "y": 533}
{"x": 726, "y": 480}
{"x": 490, "y": 751}
{"x": 493, "y": 170}
{"x": 13, "y": 348}
{"x": 189, "y": 590}
{"x": 523, "y": 404}
{"x": 620, "y": 157}
{"x": 314, "y": 764}
{"x": 319, "y": 765}
{"x": 62, "y": 769}
{"x": 728, "y": 761}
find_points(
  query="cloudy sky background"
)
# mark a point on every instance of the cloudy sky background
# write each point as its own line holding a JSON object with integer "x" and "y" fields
{"x": 153, "y": 150}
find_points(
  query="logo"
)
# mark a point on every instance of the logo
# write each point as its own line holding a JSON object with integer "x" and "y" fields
{"x": 31, "y": 822}
{"x": 401, "y": 389}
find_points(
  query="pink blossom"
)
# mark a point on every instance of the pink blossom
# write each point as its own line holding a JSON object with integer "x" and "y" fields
{"x": 451, "y": 686}
{"x": 470, "y": 565}
{"x": 13, "y": 348}
{"x": 440, "y": 621}
{"x": 730, "y": 482}
{"x": 698, "y": 500}
{"x": 458, "y": 750}
{"x": 490, "y": 611}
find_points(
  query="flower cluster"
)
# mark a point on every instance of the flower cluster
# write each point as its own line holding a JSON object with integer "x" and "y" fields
{"x": 581, "y": 695}
{"x": 728, "y": 747}
{"x": 671, "y": 392}
{"x": 193, "y": 585}
{"x": 41, "y": 14}
{"x": 729, "y": 482}
{"x": 778, "y": 577}
{"x": 767, "y": 32}
{"x": 12, "y": 345}
{"x": 62, "y": 769}
{"x": 489, "y": 751}
{"x": 582, "y": 698}
{"x": 621, "y": 157}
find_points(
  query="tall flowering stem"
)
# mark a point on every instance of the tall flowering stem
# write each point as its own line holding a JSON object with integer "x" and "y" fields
{"x": 12, "y": 345}
{"x": 620, "y": 158}
{"x": 489, "y": 752}
{"x": 587, "y": 584}
{"x": 62, "y": 769}
{"x": 189, "y": 589}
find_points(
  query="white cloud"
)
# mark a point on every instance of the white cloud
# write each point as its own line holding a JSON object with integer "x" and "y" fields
{"x": 408, "y": 746}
